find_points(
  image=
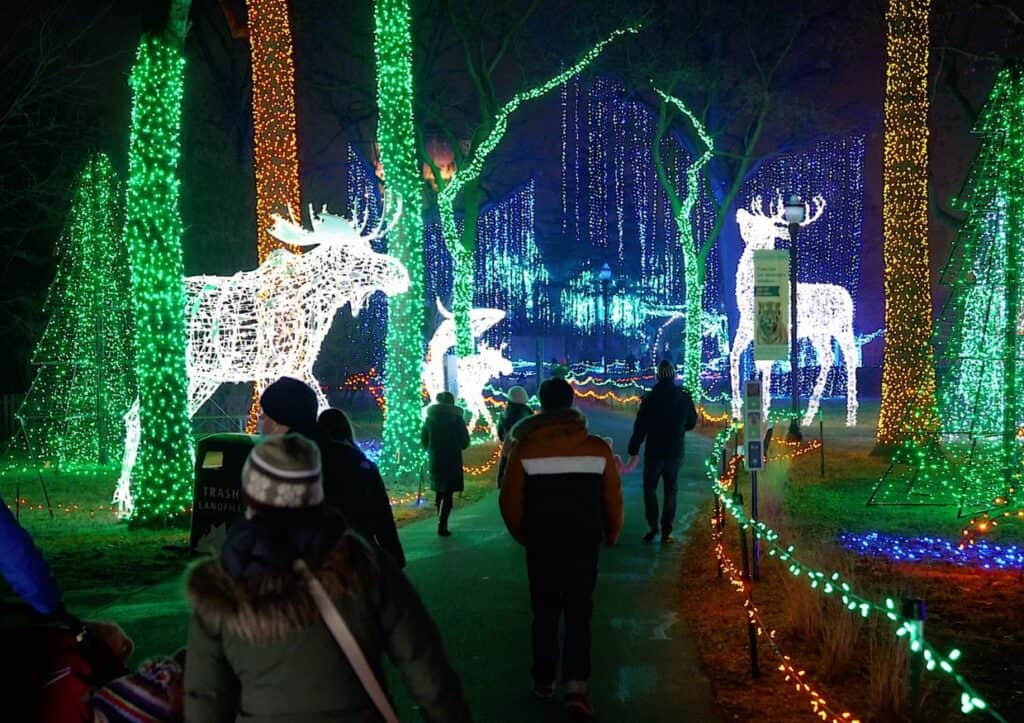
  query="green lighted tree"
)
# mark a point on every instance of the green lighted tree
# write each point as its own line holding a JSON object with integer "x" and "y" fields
{"x": 161, "y": 477}
{"x": 975, "y": 460}
{"x": 85, "y": 377}
{"x": 398, "y": 155}
{"x": 695, "y": 255}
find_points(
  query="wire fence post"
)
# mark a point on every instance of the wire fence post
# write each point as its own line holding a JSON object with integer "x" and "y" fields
{"x": 915, "y": 610}
{"x": 821, "y": 440}
{"x": 755, "y": 540}
{"x": 751, "y": 629}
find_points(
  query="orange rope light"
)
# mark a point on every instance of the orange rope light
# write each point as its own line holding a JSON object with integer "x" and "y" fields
{"x": 712, "y": 418}
{"x": 794, "y": 675}
{"x": 479, "y": 469}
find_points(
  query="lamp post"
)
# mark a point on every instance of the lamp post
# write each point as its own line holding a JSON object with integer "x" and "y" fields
{"x": 794, "y": 215}
{"x": 605, "y": 276}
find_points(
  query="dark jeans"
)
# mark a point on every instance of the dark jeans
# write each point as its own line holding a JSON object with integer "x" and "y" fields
{"x": 655, "y": 470}
{"x": 443, "y": 502}
{"x": 562, "y": 583}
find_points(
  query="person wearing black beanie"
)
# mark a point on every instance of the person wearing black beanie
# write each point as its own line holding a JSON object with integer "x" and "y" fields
{"x": 288, "y": 405}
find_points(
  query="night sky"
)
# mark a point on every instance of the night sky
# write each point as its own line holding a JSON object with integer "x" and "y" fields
{"x": 65, "y": 95}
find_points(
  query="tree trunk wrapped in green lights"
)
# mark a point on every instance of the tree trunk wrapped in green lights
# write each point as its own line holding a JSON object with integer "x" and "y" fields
{"x": 85, "y": 378}
{"x": 695, "y": 256}
{"x": 162, "y": 476}
{"x": 406, "y": 313}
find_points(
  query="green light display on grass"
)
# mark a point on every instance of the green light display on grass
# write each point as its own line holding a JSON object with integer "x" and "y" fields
{"x": 396, "y": 136}
{"x": 694, "y": 258}
{"x": 462, "y": 258}
{"x": 161, "y": 478}
{"x": 832, "y": 583}
{"x": 85, "y": 377}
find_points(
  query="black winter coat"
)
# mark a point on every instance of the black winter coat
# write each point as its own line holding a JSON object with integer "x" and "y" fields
{"x": 665, "y": 415}
{"x": 359, "y": 494}
{"x": 513, "y": 414}
{"x": 444, "y": 436}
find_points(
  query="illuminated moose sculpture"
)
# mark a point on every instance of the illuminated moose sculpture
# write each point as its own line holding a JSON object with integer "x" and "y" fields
{"x": 259, "y": 325}
{"x": 824, "y": 311}
{"x": 473, "y": 371}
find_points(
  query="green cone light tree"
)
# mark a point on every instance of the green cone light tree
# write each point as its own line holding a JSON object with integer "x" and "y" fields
{"x": 85, "y": 376}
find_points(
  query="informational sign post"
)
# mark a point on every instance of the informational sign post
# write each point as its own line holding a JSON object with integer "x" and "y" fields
{"x": 753, "y": 427}
{"x": 771, "y": 305}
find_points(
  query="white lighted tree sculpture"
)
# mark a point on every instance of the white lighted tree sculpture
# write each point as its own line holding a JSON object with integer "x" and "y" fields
{"x": 259, "y": 325}
{"x": 473, "y": 371}
{"x": 824, "y": 311}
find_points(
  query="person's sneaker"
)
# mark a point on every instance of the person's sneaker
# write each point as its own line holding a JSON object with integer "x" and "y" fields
{"x": 444, "y": 532}
{"x": 544, "y": 691}
{"x": 577, "y": 704}
{"x": 651, "y": 534}
{"x": 667, "y": 539}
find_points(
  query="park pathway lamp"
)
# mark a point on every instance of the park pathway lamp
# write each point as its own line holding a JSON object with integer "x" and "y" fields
{"x": 794, "y": 214}
{"x": 605, "y": 276}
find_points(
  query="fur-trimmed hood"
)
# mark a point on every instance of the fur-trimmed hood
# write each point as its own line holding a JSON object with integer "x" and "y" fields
{"x": 271, "y": 607}
{"x": 562, "y": 422}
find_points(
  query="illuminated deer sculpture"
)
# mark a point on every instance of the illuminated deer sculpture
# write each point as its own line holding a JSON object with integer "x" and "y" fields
{"x": 824, "y": 311}
{"x": 259, "y": 325}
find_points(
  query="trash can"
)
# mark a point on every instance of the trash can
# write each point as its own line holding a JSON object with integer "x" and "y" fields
{"x": 217, "y": 489}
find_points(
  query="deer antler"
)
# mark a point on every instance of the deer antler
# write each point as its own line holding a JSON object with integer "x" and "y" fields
{"x": 815, "y": 208}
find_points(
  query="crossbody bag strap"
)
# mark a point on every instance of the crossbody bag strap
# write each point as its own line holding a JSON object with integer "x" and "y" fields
{"x": 347, "y": 642}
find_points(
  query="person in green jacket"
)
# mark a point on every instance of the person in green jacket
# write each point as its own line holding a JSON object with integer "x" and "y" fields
{"x": 258, "y": 649}
{"x": 444, "y": 436}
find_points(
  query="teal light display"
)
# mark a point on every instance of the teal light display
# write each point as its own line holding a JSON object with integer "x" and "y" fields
{"x": 85, "y": 376}
{"x": 162, "y": 476}
{"x": 396, "y": 136}
{"x": 462, "y": 257}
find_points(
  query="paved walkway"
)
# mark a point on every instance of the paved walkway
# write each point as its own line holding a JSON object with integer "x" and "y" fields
{"x": 475, "y": 585}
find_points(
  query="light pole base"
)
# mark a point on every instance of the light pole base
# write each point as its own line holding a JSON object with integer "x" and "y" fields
{"x": 795, "y": 434}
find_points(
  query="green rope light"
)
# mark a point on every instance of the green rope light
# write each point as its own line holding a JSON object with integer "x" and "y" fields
{"x": 162, "y": 476}
{"x": 693, "y": 261}
{"x": 406, "y": 313}
{"x": 462, "y": 259}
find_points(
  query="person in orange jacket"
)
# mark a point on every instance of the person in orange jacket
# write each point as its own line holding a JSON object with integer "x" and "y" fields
{"x": 560, "y": 497}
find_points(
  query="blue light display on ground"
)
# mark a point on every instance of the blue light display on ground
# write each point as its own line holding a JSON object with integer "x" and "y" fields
{"x": 922, "y": 549}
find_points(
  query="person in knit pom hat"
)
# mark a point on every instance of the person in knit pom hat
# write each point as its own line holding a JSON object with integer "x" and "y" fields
{"x": 258, "y": 649}
{"x": 154, "y": 694}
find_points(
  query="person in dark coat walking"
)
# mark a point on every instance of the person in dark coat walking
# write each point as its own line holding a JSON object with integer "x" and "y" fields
{"x": 444, "y": 436}
{"x": 666, "y": 413}
{"x": 362, "y": 497}
{"x": 258, "y": 648}
{"x": 516, "y": 410}
{"x": 560, "y": 498}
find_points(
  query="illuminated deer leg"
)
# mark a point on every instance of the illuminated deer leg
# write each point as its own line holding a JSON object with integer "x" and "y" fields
{"x": 744, "y": 336}
{"x": 765, "y": 372}
{"x": 848, "y": 346}
{"x": 826, "y": 357}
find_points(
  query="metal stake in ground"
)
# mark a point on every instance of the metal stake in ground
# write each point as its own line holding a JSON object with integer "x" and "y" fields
{"x": 915, "y": 610}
